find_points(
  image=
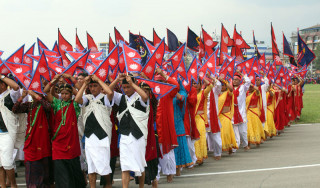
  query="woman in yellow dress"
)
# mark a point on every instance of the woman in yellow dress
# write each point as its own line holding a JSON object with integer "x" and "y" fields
{"x": 254, "y": 108}
{"x": 226, "y": 108}
{"x": 201, "y": 119}
{"x": 270, "y": 127}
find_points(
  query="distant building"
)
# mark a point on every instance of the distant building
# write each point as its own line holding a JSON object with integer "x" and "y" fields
{"x": 105, "y": 47}
{"x": 310, "y": 35}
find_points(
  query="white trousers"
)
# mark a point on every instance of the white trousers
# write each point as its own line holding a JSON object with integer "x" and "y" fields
{"x": 192, "y": 150}
{"x": 6, "y": 151}
{"x": 98, "y": 155}
{"x": 132, "y": 154}
{"x": 167, "y": 164}
{"x": 240, "y": 132}
{"x": 214, "y": 143}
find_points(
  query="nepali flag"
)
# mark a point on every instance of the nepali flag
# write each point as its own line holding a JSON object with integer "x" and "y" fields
{"x": 41, "y": 46}
{"x": 272, "y": 70}
{"x": 91, "y": 44}
{"x": 3, "y": 69}
{"x": 175, "y": 59}
{"x": 306, "y": 56}
{"x": 56, "y": 68}
{"x": 193, "y": 70}
{"x": 64, "y": 46}
{"x": 208, "y": 42}
{"x": 79, "y": 46}
{"x": 157, "y": 40}
{"x": 20, "y": 72}
{"x": 256, "y": 51}
{"x": 111, "y": 44}
{"x": 17, "y": 56}
{"x": 159, "y": 89}
{"x": 118, "y": 36}
{"x": 75, "y": 55}
{"x": 137, "y": 43}
{"x": 156, "y": 58}
{"x": 173, "y": 42}
{"x": 79, "y": 63}
{"x": 275, "y": 50}
{"x": 193, "y": 40}
{"x": 245, "y": 66}
{"x": 150, "y": 47}
{"x": 280, "y": 75}
{"x": 262, "y": 60}
{"x": 41, "y": 71}
{"x": 229, "y": 69}
{"x": 225, "y": 42}
{"x": 109, "y": 63}
{"x": 26, "y": 59}
{"x": 302, "y": 73}
{"x": 131, "y": 59}
{"x": 239, "y": 44}
{"x": 287, "y": 50}
{"x": 1, "y": 52}
{"x": 182, "y": 70}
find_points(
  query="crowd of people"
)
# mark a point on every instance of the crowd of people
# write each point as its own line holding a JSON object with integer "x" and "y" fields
{"x": 77, "y": 131}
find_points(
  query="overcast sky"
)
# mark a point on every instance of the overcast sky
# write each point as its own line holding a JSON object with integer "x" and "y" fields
{"x": 22, "y": 21}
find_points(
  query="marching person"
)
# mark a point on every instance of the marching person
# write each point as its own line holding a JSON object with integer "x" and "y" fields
{"x": 97, "y": 127}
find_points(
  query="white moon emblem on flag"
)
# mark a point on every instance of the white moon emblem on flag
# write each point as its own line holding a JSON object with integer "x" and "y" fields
{"x": 278, "y": 81}
{"x": 281, "y": 74}
{"x": 102, "y": 72}
{"x": 158, "y": 56}
{"x": 18, "y": 70}
{"x": 225, "y": 40}
{"x": 148, "y": 69}
{"x": 63, "y": 47}
{"x": 247, "y": 65}
{"x": 180, "y": 69}
{"x": 277, "y": 58}
{"x": 255, "y": 68}
{"x": 92, "y": 56}
{"x": 27, "y": 60}
{"x": 238, "y": 42}
{"x": 229, "y": 69}
{"x": 175, "y": 58}
{"x": 185, "y": 83}
{"x": 59, "y": 70}
{"x": 65, "y": 63}
{"x": 222, "y": 75}
{"x": 16, "y": 60}
{"x": 157, "y": 89}
{"x": 210, "y": 65}
{"x": 42, "y": 70}
{"x": 201, "y": 74}
{"x": 131, "y": 54}
{"x": 193, "y": 71}
{"x": 133, "y": 66}
{"x": 35, "y": 85}
{"x": 112, "y": 61}
{"x": 209, "y": 42}
{"x": 261, "y": 61}
{"x": 121, "y": 60}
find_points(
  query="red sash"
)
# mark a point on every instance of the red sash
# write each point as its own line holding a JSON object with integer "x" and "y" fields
{"x": 262, "y": 116}
{"x": 213, "y": 114}
{"x": 237, "y": 118}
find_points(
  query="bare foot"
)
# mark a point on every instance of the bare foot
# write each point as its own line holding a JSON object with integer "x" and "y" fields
{"x": 170, "y": 178}
{"x": 246, "y": 148}
{"x": 217, "y": 158}
{"x": 178, "y": 172}
{"x": 230, "y": 152}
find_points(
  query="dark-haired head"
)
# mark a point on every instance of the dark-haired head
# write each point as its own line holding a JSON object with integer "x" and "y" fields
{"x": 65, "y": 92}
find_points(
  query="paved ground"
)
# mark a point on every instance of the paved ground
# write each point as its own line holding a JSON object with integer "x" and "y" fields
{"x": 289, "y": 160}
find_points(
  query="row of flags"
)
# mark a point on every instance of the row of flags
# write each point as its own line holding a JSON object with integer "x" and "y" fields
{"x": 141, "y": 55}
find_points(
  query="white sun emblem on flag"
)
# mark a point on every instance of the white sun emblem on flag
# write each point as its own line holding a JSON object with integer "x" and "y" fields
{"x": 255, "y": 68}
{"x": 277, "y": 58}
{"x": 18, "y": 70}
{"x": 193, "y": 71}
{"x": 157, "y": 89}
{"x": 42, "y": 70}
{"x": 16, "y": 60}
{"x": 261, "y": 61}
{"x": 131, "y": 54}
{"x": 278, "y": 81}
{"x": 267, "y": 67}
{"x": 89, "y": 68}
{"x": 239, "y": 42}
{"x": 148, "y": 69}
{"x": 102, "y": 72}
{"x": 112, "y": 61}
{"x": 239, "y": 68}
{"x": 158, "y": 56}
{"x": 59, "y": 70}
{"x": 247, "y": 65}
{"x": 4, "y": 70}
{"x": 35, "y": 85}
{"x": 65, "y": 63}
{"x": 121, "y": 60}
{"x": 63, "y": 47}
{"x": 222, "y": 75}
{"x": 229, "y": 69}
{"x": 180, "y": 69}
{"x": 27, "y": 59}
{"x": 209, "y": 42}
{"x": 175, "y": 58}
{"x": 281, "y": 74}
{"x": 134, "y": 66}
{"x": 210, "y": 65}
{"x": 225, "y": 40}
{"x": 185, "y": 83}
{"x": 26, "y": 82}
{"x": 201, "y": 74}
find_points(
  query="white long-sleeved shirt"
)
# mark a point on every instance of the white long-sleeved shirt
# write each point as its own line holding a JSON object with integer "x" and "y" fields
{"x": 242, "y": 97}
{"x": 264, "y": 88}
{"x": 216, "y": 91}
